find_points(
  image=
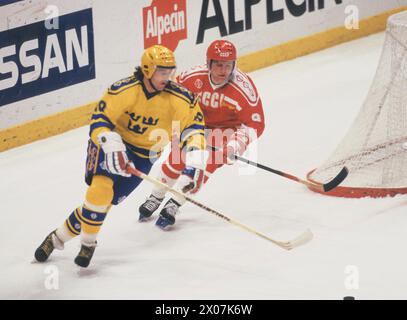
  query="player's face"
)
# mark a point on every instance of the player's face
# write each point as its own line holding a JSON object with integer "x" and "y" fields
{"x": 161, "y": 77}
{"x": 221, "y": 70}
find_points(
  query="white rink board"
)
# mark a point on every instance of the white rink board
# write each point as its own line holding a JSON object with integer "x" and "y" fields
{"x": 119, "y": 39}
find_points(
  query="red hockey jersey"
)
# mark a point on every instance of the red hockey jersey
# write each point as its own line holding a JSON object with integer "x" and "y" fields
{"x": 235, "y": 105}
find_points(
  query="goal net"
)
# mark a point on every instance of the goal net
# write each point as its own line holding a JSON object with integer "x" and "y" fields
{"x": 375, "y": 147}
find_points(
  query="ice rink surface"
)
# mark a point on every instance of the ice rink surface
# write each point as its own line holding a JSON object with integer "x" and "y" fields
{"x": 309, "y": 103}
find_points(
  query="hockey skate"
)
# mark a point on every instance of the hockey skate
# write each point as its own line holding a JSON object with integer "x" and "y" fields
{"x": 148, "y": 207}
{"x": 45, "y": 249}
{"x": 167, "y": 214}
{"x": 85, "y": 255}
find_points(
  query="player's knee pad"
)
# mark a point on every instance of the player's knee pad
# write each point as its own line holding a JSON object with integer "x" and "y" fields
{"x": 100, "y": 193}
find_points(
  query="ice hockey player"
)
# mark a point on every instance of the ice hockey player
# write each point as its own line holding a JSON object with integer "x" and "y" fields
{"x": 233, "y": 117}
{"x": 126, "y": 125}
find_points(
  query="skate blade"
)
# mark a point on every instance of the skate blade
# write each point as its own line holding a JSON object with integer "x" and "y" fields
{"x": 145, "y": 219}
{"x": 163, "y": 225}
{"x": 164, "y": 228}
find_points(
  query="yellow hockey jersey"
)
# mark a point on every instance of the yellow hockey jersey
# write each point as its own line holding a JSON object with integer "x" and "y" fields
{"x": 147, "y": 122}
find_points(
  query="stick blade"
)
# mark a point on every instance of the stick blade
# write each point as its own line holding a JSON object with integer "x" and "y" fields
{"x": 336, "y": 181}
{"x": 302, "y": 239}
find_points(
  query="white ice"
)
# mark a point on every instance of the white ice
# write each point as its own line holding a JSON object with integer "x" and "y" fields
{"x": 310, "y": 102}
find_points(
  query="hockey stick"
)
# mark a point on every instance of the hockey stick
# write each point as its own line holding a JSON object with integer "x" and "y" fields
{"x": 321, "y": 187}
{"x": 288, "y": 245}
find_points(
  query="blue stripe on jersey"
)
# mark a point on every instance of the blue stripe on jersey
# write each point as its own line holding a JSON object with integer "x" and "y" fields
{"x": 123, "y": 83}
{"x": 181, "y": 90}
{"x": 184, "y": 143}
{"x": 100, "y": 124}
{"x": 100, "y": 116}
{"x": 191, "y": 128}
{"x": 144, "y": 152}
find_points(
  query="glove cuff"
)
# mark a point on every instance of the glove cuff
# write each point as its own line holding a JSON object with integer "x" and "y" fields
{"x": 111, "y": 142}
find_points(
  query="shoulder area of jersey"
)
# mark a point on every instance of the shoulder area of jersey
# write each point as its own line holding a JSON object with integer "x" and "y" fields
{"x": 201, "y": 70}
{"x": 123, "y": 84}
{"x": 180, "y": 91}
{"x": 243, "y": 84}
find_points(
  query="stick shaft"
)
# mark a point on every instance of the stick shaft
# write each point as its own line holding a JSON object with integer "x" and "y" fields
{"x": 280, "y": 173}
{"x": 204, "y": 207}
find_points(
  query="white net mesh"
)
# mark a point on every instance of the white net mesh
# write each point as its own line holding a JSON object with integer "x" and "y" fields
{"x": 373, "y": 148}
